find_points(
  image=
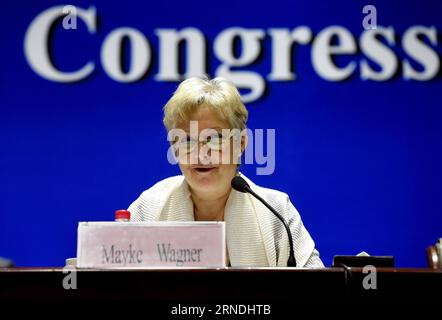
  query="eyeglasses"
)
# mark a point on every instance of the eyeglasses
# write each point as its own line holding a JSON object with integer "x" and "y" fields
{"x": 215, "y": 142}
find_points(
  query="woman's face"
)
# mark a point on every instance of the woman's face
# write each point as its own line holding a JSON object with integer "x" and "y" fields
{"x": 210, "y": 161}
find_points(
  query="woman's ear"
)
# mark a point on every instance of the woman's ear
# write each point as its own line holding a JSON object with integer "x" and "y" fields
{"x": 239, "y": 145}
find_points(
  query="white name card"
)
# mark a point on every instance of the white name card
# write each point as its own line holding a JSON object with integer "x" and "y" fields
{"x": 140, "y": 245}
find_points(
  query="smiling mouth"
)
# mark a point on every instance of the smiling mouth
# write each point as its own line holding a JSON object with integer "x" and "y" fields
{"x": 204, "y": 169}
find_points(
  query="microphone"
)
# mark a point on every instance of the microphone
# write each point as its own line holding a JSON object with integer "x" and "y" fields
{"x": 241, "y": 185}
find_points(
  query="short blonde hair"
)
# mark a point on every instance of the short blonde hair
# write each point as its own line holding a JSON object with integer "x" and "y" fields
{"x": 219, "y": 94}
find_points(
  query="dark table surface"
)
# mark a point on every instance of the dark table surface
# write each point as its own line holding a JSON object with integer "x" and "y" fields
{"x": 218, "y": 285}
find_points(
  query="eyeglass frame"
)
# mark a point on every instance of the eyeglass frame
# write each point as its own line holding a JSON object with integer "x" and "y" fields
{"x": 205, "y": 142}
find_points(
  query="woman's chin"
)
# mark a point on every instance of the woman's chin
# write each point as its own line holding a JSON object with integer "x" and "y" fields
{"x": 205, "y": 178}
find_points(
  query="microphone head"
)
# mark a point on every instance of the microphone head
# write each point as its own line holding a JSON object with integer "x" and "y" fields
{"x": 239, "y": 184}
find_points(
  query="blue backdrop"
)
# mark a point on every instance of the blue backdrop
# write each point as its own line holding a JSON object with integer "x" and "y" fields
{"x": 360, "y": 159}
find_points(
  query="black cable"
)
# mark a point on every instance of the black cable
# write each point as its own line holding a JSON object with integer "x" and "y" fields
{"x": 348, "y": 277}
{"x": 292, "y": 260}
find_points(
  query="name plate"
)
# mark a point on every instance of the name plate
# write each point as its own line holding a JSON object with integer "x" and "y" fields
{"x": 140, "y": 245}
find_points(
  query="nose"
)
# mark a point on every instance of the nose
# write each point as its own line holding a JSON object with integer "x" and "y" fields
{"x": 204, "y": 153}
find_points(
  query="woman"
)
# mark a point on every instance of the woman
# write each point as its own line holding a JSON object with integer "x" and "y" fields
{"x": 200, "y": 117}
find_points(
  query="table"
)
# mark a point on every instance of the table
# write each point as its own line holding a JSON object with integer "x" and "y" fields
{"x": 215, "y": 286}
